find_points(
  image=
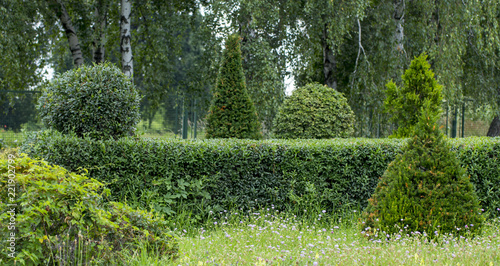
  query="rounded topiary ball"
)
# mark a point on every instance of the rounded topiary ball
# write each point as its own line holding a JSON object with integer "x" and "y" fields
{"x": 98, "y": 101}
{"x": 314, "y": 111}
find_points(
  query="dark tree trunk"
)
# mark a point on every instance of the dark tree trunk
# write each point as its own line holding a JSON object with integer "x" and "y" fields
{"x": 247, "y": 34}
{"x": 74, "y": 44}
{"x": 329, "y": 61}
{"x": 437, "y": 38}
{"x": 494, "y": 130}
{"x": 99, "y": 29}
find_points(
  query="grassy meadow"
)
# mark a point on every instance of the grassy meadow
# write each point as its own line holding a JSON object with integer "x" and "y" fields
{"x": 267, "y": 237}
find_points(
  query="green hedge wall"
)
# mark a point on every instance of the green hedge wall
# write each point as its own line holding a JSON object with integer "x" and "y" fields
{"x": 334, "y": 175}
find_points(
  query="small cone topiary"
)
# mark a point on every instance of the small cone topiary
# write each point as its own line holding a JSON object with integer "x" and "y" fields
{"x": 424, "y": 189}
{"x": 232, "y": 113}
{"x": 404, "y": 103}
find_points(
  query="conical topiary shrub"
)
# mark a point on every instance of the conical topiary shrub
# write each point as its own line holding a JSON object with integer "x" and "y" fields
{"x": 232, "y": 113}
{"x": 404, "y": 103}
{"x": 424, "y": 189}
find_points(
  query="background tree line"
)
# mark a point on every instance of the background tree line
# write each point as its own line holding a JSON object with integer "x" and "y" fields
{"x": 174, "y": 47}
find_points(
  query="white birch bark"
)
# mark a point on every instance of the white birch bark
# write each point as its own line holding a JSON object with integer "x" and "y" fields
{"x": 399, "y": 9}
{"x": 125, "y": 39}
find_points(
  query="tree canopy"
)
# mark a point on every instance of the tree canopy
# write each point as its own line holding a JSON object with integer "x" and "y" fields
{"x": 352, "y": 46}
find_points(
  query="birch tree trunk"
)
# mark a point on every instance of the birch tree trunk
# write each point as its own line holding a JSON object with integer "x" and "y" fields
{"x": 74, "y": 44}
{"x": 125, "y": 38}
{"x": 100, "y": 36}
{"x": 399, "y": 9}
{"x": 247, "y": 34}
{"x": 329, "y": 61}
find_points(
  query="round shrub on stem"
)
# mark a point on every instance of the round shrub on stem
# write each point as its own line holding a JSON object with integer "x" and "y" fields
{"x": 98, "y": 101}
{"x": 424, "y": 189}
{"x": 314, "y": 111}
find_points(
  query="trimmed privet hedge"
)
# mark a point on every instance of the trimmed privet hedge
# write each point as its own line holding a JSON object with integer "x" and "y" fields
{"x": 218, "y": 174}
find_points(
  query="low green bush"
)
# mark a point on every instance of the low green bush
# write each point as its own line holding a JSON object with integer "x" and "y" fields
{"x": 50, "y": 215}
{"x": 213, "y": 175}
{"x": 314, "y": 111}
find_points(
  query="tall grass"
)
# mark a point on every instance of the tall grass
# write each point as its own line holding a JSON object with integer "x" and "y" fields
{"x": 269, "y": 237}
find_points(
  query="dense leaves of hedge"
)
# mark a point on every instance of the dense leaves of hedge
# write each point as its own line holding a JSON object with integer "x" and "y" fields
{"x": 218, "y": 174}
{"x": 56, "y": 215}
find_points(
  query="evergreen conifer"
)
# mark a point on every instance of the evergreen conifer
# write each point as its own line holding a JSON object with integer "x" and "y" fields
{"x": 404, "y": 103}
{"x": 232, "y": 113}
{"x": 424, "y": 189}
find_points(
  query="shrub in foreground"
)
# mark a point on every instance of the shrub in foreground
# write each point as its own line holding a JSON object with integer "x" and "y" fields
{"x": 99, "y": 101}
{"x": 59, "y": 216}
{"x": 424, "y": 189}
{"x": 314, "y": 112}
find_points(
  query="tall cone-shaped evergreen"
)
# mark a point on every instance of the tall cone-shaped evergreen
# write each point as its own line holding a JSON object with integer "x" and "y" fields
{"x": 232, "y": 113}
{"x": 424, "y": 189}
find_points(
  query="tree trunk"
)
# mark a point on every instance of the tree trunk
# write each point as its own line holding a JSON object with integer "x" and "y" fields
{"x": 494, "y": 130}
{"x": 247, "y": 34}
{"x": 437, "y": 21}
{"x": 125, "y": 39}
{"x": 329, "y": 61}
{"x": 399, "y": 9}
{"x": 99, "y": 30}
{"x": 74, "y": 44}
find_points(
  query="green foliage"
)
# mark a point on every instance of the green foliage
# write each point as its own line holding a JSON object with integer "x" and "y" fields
{"x": 262, "y": 27}
{"x": 172, "y": 176}
{"x": 17, "y": 111}
{"x": 23, "y": 45}
{"x": 424, "y": 189}
{"x": 98, "y": 101}
{"x": 404, "y": 103}
{"x": 314, "y": 112}
{"x": 232, "y": 113}
{"x": 58, "y": 215}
